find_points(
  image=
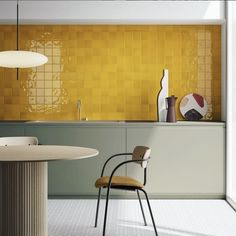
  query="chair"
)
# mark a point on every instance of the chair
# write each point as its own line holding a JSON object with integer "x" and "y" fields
{"x": 140, "y": 156}
{"x": 16, "y": 141}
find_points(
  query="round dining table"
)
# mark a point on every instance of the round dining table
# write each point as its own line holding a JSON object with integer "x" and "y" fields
{"x": 24, "y": 185}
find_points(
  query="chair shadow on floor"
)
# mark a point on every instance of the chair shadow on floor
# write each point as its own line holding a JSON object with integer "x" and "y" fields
{"x": 162, "y": 230}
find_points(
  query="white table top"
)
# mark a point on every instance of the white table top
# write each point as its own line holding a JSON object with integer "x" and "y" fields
{"x": 44, "y": 153}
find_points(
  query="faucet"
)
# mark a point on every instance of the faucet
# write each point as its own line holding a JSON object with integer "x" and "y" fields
{"x": 79, "y": 110}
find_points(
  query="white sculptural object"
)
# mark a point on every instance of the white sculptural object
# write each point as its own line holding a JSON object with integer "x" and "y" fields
{"x": 161, "y": 99}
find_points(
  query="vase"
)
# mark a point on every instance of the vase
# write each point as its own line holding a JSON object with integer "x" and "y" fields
{"x": 171, "y": 114}
{"x": 161, "y": 97}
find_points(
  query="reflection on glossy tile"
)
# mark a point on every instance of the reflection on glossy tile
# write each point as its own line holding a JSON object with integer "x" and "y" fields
{"x": 115, "y": 70}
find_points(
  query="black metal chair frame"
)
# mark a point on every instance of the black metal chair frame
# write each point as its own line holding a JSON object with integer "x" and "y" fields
{"x": 129, "y": 188}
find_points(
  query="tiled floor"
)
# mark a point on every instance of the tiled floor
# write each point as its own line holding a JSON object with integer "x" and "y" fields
{"x": 173, "y": 218}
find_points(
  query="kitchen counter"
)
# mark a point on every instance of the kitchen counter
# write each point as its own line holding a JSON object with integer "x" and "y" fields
{"x": 119, "y": 123}
{"x": 188, "y": 158}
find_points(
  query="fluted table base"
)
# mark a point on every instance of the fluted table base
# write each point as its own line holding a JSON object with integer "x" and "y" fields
{"x": 24, "y": 200}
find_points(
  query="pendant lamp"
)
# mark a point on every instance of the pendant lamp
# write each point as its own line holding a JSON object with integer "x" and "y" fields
{"x": 21, "y": 59}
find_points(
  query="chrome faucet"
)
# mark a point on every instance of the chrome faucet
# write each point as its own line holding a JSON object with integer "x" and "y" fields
{"x": 79, "y": 110}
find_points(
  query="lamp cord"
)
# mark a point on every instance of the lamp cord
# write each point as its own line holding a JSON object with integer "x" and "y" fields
{"x": 17, "y": 26}
{"x": 17, "y": 35}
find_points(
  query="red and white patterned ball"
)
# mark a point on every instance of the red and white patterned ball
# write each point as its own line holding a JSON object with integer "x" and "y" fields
{"x": 193, "y": 107}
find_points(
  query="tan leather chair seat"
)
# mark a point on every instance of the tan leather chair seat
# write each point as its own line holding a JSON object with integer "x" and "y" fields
{"x": 118, "y": 181}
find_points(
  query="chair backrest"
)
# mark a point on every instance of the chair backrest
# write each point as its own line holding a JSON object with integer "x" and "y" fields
{"x": 17, "y": 141}
{"x": 141, "y": 152}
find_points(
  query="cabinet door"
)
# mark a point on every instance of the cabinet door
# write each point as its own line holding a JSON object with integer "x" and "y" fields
{"x": 184, "y": 161}
{"x": 78, "y": 177}
{"x": 11, "y": 130}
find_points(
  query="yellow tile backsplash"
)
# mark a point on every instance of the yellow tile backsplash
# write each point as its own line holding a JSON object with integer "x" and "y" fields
{"x": 114, "y": 70}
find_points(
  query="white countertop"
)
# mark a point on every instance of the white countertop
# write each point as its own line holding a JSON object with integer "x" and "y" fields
{"x": 136, "y": 123}
{"x": 115, "y": 123}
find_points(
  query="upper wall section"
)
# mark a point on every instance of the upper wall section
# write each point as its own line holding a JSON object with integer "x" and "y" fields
{"x": 114, "y": 12}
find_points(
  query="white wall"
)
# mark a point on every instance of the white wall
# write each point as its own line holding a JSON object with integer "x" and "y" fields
{"x": 137, "y": 12}
{"x": 7, "y": 11}
{"x": 231, "y": 106}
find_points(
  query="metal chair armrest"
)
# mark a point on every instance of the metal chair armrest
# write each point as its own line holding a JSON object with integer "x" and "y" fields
{"x": 123, "y": 163}
{"x": 116, "y": 155}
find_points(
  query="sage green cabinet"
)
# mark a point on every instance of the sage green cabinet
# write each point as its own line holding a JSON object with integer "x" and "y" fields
{"x": 11, "y": 130}
{"x": 77, "y": 177}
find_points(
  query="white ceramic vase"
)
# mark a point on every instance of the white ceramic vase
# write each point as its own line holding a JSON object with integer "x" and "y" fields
{"x": 161, "y": 98}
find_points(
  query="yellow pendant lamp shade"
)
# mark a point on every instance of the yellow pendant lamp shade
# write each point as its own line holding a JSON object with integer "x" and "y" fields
{"x": 21, "y": 59}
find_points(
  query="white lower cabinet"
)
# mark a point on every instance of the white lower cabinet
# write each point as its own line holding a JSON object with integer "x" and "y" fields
{"x": 186, "y": 161}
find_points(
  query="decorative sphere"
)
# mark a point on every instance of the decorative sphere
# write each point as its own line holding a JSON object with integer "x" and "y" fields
{"x": 193, "y": 107}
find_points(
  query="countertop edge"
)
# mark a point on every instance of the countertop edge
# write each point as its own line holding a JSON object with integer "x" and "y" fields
{"x": 115, "y": 123}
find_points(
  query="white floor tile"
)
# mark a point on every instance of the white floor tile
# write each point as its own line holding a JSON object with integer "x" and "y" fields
{"x": 173, "y": 218}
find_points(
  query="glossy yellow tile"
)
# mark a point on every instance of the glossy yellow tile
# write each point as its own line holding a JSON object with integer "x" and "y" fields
{"x": 115, "y": 70}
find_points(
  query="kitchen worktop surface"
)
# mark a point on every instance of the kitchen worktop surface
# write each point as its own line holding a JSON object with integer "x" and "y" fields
{"x": 113, "y": 123}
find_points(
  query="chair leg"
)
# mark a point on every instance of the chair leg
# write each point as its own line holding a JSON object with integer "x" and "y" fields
{"x": 141, "y": 206}
{"x": 150, "y": 210}
{"x": 97, "y": 210}
{"x": 106, "y": 209}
